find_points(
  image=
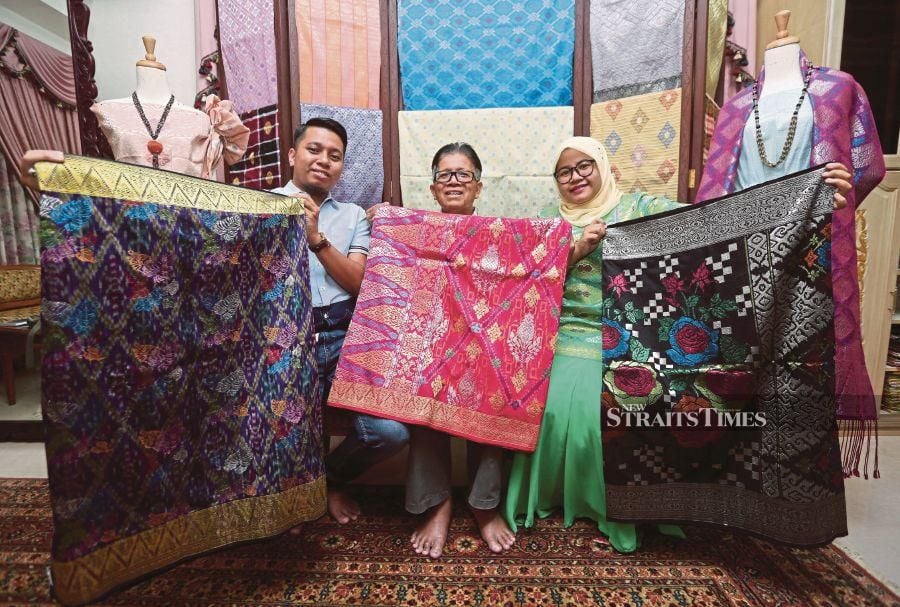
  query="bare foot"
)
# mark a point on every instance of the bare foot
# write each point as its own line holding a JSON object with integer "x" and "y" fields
{"x": 342, "y": 507}
{"x": 494, "y": 530}
{"x": 429, "y": 538}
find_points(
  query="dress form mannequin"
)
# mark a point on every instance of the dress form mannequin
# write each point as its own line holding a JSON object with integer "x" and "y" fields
{"x": 778, "y": 124}
{"x": 782, "y": 59}
{"x": 843, "y": 130}
{"x": 151, "y": 81}
{"x": 154, "y": 130}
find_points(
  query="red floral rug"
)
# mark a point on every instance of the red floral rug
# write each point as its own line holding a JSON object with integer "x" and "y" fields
{"x": 370, "y": 563}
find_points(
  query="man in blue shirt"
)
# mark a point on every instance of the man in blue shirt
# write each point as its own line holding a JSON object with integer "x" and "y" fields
{"x": 338, "y": 236}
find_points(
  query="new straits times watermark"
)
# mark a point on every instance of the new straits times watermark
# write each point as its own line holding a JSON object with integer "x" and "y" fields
{"x": 699, "y": 419}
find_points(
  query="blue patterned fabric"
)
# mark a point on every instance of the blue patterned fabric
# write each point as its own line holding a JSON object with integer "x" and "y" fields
{"x": 485, "y": 53}
{"x": 362, "y": 180}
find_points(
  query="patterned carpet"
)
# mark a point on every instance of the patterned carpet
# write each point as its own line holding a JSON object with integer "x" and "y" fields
{"x": 370, "y": 563}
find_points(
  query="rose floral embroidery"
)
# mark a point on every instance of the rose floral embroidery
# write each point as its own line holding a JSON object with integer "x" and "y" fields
{"x": 673, "y": 286}
{"x": 634, "y": 385}
{"x": 693, "y": 343}
{"x": 702, "y": 277}
{"x": 618, "y": 284}
{"x": 615, "y": 339}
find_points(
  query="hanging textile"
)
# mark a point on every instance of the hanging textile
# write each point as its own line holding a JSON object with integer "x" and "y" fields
{"x": 362, "y": 180}
{"x": 635, "y": 46}
{"x": 180, "y": 389}
{"x": 339, "y": 52}
{"x": 641, "y": 135}
{"x": 482, "y": 54}
{"x": 717, "y": 26}
{"x": 261, "y": 167}
{"x": 454, "y": 324}
{"x": 740, "y": 47}
{"x": 19, "y": 238}
{"x": 843, "y": 131}
{"x": 513, "y": 144}
{"x": 722, "y": 313}
{"x": 710, "y": 115}
{"x": 247, "y": 40}
{"x": 206, "y": 42}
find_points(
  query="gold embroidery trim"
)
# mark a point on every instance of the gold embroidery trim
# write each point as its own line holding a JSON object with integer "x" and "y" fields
{"x": 862, "y": 251}
{"x": 412, "y": 408}
{"x": 109, "y": 179}
{"x": 93, "y": 575}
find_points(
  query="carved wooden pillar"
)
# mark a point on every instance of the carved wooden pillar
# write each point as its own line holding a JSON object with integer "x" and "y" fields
{"x": 93, "y": 143}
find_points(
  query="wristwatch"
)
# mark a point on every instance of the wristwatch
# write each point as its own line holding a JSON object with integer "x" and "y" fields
{"x": 323, "y": 244}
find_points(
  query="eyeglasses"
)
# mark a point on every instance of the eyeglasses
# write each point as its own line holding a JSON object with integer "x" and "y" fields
{"x": 583, "y": 168}
{"x": 461, "y": 176}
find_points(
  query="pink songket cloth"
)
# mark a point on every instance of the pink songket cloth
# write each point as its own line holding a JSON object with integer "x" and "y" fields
{"x": 455, "y": 324}
{"x": 844, "y": 131}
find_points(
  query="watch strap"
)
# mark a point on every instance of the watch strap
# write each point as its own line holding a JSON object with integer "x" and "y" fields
{"x": 323, "y": 244}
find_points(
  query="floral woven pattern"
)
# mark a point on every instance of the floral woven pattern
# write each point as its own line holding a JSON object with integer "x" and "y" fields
{"x": 180, "y": 389}
{"x": 454, "y": 324}
{"x": 725, "y": 308}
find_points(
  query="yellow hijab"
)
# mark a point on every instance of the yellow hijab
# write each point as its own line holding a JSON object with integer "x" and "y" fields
{"x": 608, "y": 197}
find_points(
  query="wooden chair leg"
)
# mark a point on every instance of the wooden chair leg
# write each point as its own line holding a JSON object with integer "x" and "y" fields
{"x": 8, "y": 378}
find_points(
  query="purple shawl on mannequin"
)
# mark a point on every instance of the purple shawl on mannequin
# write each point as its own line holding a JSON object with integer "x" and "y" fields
{"x": 843, "y": 131}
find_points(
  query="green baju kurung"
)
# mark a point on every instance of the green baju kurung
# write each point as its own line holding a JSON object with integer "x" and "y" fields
{"x": 566, "y": 469}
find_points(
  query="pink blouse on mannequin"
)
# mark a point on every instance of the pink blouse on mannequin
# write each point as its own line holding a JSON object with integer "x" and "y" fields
{"x": 193, "y": 141}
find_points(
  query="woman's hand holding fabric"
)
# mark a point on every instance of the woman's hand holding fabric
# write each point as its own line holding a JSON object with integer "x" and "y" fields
{"x": 590, "y": 239}
{"x": 839, "y": 176}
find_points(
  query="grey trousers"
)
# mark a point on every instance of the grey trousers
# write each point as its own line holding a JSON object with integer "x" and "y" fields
{"x": 428, "y": 471}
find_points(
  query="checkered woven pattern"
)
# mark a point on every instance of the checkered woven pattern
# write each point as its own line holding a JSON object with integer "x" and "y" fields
{"x": 260, "y": 169}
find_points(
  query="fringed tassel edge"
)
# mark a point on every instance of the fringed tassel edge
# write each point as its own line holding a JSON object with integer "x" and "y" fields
{"x": 857, "y": 435}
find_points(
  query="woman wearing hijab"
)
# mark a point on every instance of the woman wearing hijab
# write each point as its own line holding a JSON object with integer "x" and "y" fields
{"x": 566, "y": 469}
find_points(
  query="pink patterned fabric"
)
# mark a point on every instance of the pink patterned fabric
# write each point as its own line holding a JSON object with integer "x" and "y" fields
{"x": 247, "y": 39}
{"x": 193, "y": 141}
{"x": 454, "y": 324}
{"x": 843, "y": 131}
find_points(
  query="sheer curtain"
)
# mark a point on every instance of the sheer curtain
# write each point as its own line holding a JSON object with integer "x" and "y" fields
{"x": 19, "y": 240}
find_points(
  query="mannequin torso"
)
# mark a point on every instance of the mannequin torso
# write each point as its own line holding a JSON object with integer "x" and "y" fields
{"x": 781, "y": 89}
{"x": 152, "y": 88}
{"x": 783, "y": 73}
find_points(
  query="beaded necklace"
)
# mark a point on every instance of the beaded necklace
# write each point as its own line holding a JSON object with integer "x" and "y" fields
{"x": 792, "y": 128}
{"x": 153, "y": 146}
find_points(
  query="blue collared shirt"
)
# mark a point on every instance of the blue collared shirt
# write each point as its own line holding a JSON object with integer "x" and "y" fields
{"x": 347, "y": 229}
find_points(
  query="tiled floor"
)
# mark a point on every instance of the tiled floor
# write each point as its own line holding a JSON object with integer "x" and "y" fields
{"x": 873, "y": 506}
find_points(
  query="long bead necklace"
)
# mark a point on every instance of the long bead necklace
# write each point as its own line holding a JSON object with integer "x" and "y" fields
{"x": 153, "y": 146}
{"x": 792, "y": 128}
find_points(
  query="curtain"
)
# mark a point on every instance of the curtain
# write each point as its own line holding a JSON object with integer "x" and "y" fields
{"x": 19, "y": 241}
{"x": 52, "y": 68}
{"x": 36, "y": 107}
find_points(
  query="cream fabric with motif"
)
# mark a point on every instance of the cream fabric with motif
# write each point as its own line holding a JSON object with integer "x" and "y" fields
{"x": 641, "y": 135}
{"x": 514, "y": 146}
